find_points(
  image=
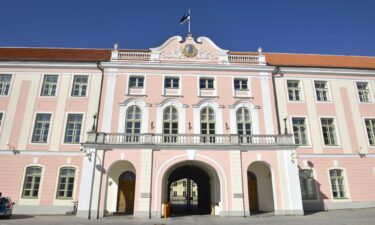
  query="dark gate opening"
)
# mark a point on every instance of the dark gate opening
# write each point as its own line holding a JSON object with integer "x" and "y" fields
{"x": 189, "y": 191}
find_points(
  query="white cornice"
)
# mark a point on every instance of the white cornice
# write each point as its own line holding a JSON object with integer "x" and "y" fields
{"x": 46, "y": 153}
{"x": 190, "y": 66}
{"x": 22, "y": 64}
{"x": 327, "y": 71}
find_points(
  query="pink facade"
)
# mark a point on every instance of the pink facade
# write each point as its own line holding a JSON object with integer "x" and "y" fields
{"x": 251, "y": 134}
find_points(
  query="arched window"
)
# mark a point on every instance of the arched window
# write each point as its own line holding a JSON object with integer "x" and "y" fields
{"x": 243, "y": 124}
{"x": 337, "y": 183}
{"x": 133, "y": 124}
{"x": 66, "y": 183}
{"x": 208, "y": 124}
{"x": 32, "y": 182}
{"x": 170, "y": 124}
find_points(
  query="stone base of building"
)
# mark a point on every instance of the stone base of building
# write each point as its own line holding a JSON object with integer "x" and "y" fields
{"x": 289, "y": 212}
{"x": 324, "y": 206}
{"x": 42, "y": 210}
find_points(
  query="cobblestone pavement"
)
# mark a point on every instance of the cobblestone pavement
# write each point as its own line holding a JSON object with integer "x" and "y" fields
{"x": 333, "y": 217}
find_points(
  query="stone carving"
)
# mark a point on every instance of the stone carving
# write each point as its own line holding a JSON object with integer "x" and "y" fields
{"x": 178, "y": 54}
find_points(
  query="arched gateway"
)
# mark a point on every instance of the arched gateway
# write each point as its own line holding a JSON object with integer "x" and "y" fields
{"x": 191, "y": 187}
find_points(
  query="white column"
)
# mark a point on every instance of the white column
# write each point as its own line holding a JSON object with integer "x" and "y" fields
{"x": 236, "y": 180}
{"x": 290, "y": 185}
{"x": 87, "y": 187}
{"x": 145, "y": 185}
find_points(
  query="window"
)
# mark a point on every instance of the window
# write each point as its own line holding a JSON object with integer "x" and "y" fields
{"x": 172, "y": 82}
{"x": 321, "y": 89}
{"x": 175, "y": 184}
{"x": 194, "y": 194}
{"x": 41, "y": 128}
{"x": 307, "y": 181}
{"x": 208, "y": 124}
{"x": 80, "y": 86}
{"x": 294, "y": 90}
{"x": 363, "y": 92}
{"x": 206, "y": 83}
{"x": 174, "y": 193}
{"x": 73, "y": 128}
{"x": 1, "y": 118}
{"x": 5, "y": 83}
{"x": 32, "y": 182}
{"x": 299, "y": 131}
{"x": 329, "y": 133}
{"x": 133, "y": 124}
{"x": 243, "y": 124}
{"x": 66, "y": 183}
{"x": 136, "y": 82}
{"x": 337, "y": 183}
{"x": 370, "y": 128}
{"x": 49, "y": 85}
{"x": 240, "y": 84}
{"x": 170, "y": 124}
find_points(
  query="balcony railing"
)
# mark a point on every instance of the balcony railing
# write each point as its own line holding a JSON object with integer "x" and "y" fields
{"x": 187, "y": 139}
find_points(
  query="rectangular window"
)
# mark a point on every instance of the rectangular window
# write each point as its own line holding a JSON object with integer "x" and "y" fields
{"x": 363, "y": 92}
{"x": 370, "y": 128}
{"x": 80, "y": 86}
{"x": 41, "y": 128}
{"x": 337, "y": 183}
{"x": 321, "y": 89}
{"x": 1, "y": 118}
{"x": 294, "y": 90}
{"x": 66, "y": 183}
{"x": 49, "y": 85}
{"x": 329, "y": 132}
{"x": 5, "y": 83}
{"x": 171, "y": 82}
{"x": 307, "y": 182}
{"x": 206, "y": 83}
{"x": 73, "y": 129}
{"x": 136, "y": 82}
{"x": 240, "y": 84}
{"x": 299, "y": 131}
{"x": 32, "y": 182}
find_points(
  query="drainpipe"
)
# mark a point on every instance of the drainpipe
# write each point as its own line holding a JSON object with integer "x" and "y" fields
{"x": 100, "y": 67}
{"x": 275, "y": 72}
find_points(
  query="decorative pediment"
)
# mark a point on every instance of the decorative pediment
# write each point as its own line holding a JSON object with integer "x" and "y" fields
{"x": 190, "y": 50}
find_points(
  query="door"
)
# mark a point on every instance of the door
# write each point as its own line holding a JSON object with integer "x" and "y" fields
{"x": 126, "y": 191}
{"x": 253, "y": 191}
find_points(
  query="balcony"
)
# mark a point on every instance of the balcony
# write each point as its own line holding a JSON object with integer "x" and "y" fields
{"x": 121, "y": 140}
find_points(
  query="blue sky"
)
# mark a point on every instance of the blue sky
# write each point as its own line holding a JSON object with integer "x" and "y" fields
{"x": 340, "y": 27}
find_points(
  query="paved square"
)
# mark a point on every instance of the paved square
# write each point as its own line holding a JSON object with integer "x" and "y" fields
{"x": 334, "y": 217}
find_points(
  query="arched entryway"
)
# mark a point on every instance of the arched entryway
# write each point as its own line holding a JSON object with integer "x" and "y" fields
{"x": 121, "y": 186}
{"x": 126, "y": 192}
{"x": 191, "y": 188}
{"x": 260, "y": 193}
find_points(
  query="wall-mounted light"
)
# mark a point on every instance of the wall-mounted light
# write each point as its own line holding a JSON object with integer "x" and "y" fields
{"x": 226, "y": 126}
{"x": 152, "y": 125}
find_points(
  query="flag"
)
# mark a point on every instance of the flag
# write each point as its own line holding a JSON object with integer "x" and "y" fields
{"x": 185, "y": 18}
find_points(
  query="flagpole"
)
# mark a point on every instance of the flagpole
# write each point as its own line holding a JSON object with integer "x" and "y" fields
{"x": 189, "y": 21}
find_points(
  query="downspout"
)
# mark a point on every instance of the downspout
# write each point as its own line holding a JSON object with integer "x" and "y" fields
{"x": 100, "y": 67}
{"x": 275, "y": 72}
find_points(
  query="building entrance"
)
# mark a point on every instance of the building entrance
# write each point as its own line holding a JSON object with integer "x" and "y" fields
{"x": 189, "y": 191}
{"x": 126, "y": 191}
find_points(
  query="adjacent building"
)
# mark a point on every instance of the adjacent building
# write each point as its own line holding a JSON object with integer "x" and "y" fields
{"x": 188, "y": 124}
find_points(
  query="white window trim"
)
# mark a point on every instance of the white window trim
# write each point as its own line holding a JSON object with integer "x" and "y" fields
{"x": 370, "y": 90}
{"x": 72, "y": 82}
{"x": 144, "y": 107}
{"x": 199, "y": 94}
{"x": 57, "y": 86}
{"x": 218, "y": 110}
{"x": 315, "y": 176}
{"x": 83, "y": 130}
{"x": 302, "y": 94}
{"x": 163, "y": 91}
{"x": 66, "y": 202}
{"x": 128, "y": 83}
{"x": 253, "y": 115}
{"x": 330, "y": 96}
{"x": 2, "y": 121}
{"x": 249, "y": 89}
{"x": 337, "y": 133}
{"x": 33, "y": 126}
{"x": 31, "y": 201}
{"x": 365, "y": 131}
{"x": 13, "y": 75}
{"x": 348, "y": 195}
{"x": 308, "y": 131}
{"x": 181, "y": 108}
